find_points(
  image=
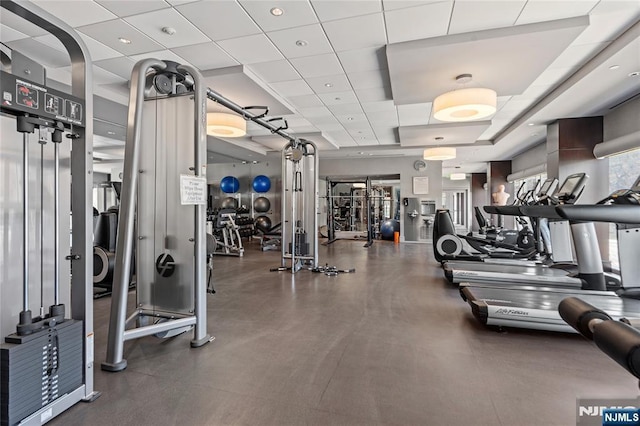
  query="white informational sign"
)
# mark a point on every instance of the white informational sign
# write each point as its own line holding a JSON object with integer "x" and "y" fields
{"x": 193, "y": 190}
{"x": 420, "y": 185}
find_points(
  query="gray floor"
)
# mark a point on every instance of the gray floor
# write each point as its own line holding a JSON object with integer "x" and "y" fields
{"x": 391, "y": 344}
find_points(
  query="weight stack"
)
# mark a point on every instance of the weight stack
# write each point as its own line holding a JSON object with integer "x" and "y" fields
{"x": 302, "y": 246}
{"x": 38, "y": 368}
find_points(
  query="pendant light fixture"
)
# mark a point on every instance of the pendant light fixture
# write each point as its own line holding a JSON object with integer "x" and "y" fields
{"x": 465, "y": 104}
{"x": 439, "y": 153}
{"x": 225, "y": 125}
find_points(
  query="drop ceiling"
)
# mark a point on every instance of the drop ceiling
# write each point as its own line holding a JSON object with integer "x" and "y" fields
{"x": 360, "y": 76}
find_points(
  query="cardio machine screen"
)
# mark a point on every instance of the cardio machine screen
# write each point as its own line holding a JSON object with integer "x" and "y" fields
{"x": 544, "y": 189}
{"x": 569, "y": 185}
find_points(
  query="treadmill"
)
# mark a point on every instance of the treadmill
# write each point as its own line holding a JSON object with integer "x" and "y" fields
{"x": 476, "y": 272}
{"x": 536, "y": 307}
{"x": 449, "y": 246}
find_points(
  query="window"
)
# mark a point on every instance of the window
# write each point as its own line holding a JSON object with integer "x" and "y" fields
{"x": 623, "y": 171}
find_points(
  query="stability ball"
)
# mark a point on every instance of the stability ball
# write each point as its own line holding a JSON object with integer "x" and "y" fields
{"x": 229, "y": 184}
{"x": 388, "y": 227}
{"x": 261, "y": 204}
{"x": 261, "y": 183}
{"x": 229, "y": 203}
{"x": 263, "y": 223}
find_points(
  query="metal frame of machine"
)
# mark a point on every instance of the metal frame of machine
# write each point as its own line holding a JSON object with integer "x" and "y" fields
{"x": 78, "y": 288}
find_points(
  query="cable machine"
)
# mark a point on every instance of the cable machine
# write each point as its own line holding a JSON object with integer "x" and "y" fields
{"x": 46, "y": 362}
{"x": 164, "y": 184}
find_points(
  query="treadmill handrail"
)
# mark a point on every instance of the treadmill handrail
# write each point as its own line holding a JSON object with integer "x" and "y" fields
{"x": 628, "y": 214}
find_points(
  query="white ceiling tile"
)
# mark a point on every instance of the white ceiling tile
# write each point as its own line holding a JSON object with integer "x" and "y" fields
{"x": 416, "y": 114}
{"x": 370, "y": 32}
{"x": 180, "y": 2}
{"x": 368, "y": 79}
{"x": 607, "y": 19}
{"x": 329, "y": 83}
{"x": 41, "y": 53}
{"x": 251, "y": 49}
{"x": 19, "y": 24}
{"x": 313, "y": 35}
{"x": 418, "y": 22}
{"x": 544, "y": 10}
{"x": 383, "y": 118}
{"x": 329, "y": 126}
{"x": 109, "y": 32}
{"x": 315, "y": 112}
{"x": 346, "y": 97}
{"x": 205, "y": 56}
{"x": 340, "y": 138}
{"x": 369, "y": 59}
{"x": 132, "y": 7}
{"x": 292, "y": 88}
{"x": 8, "y": 34}
{"x": 235, "y": 22}
{"x": 163, "y": 55}
{"x": 76, "y": 13}
{"x": 481, "y": 15}
{"x": 271, "y": 72}
{"x": 151, "y": 24}
{"x": 344, "y": 109}
{"x": 296, "y": 13}
{"x": 403, "y": 4}
{"x": 51, "y": 41}
{"x": 121, "y": 66}
{"x": 305, "y": 101}
{"x": 98, "y": 50}
{"x": 100, "y": 76}
{"x": 387, "y": 133}
{"x": 317, "y": 66}
{"x": 374, "y": 94}
{"x": 330, "y": 10}
{"x": 378, "y": 106}
{"x": 61, "y": 75}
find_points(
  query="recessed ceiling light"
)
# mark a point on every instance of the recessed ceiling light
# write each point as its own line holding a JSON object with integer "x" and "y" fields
{"x": 111, "y": 132}
{"x": 634, "y": 74}
{"x": 301, "y": 43}
{"x": 276, "y": 11}
{"x": 337, "y": 99}
{"x": 439, "y": 138}
{"x": 328, "y": 85}
{"x": 614, "y": 67}
{"x": 531, "y": 124}
{"x": 169, "y": 30}
{"x": 124, "y": 40}
{"x": 370, "y": 153}
{"x": 361, "y": 153}
{"x": 349, "y": 118}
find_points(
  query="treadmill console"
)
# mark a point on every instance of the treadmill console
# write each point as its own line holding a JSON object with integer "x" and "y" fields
{"x": 571, "y": 188}
{"x": 624, "y": 196}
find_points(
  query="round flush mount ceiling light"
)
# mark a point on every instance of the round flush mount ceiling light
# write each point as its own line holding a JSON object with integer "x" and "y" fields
{"x": 226, "y": 125}
{"x": 276, "y": 11}
{"x": 439, "y": 153}
{"x": 465, "y": 104}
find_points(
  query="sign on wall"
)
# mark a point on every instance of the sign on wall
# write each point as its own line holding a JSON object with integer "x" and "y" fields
{"x": 420, "y": 185}
{"x": 193, "y": 190}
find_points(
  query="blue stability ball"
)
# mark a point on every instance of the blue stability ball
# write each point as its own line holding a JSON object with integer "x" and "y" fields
{"x": 261, "y": 183}
{"x": 388, "y": 227}
{"x": 229, "y": 184}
